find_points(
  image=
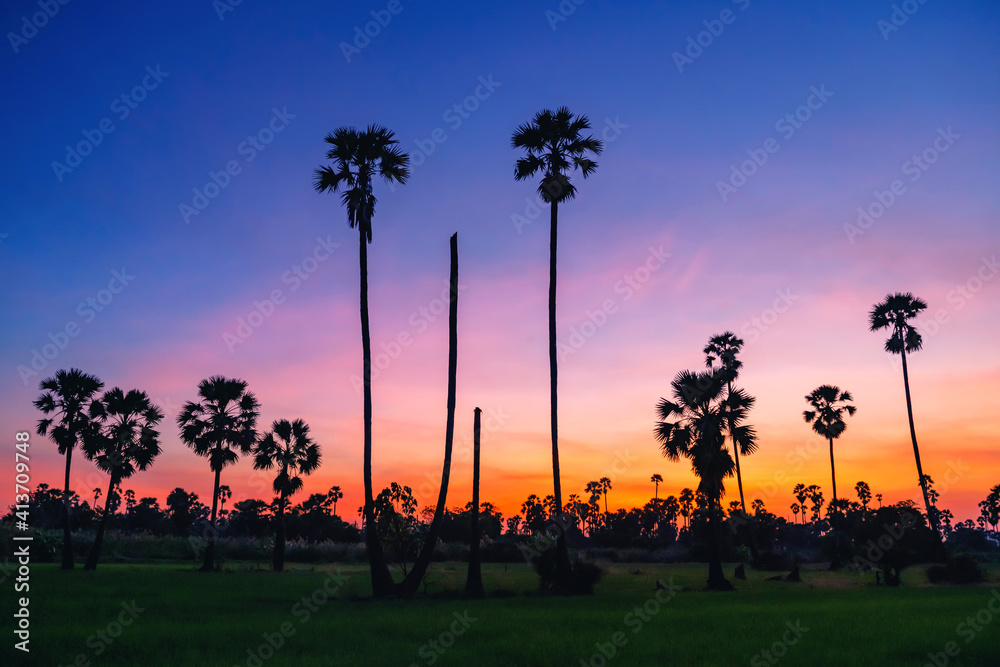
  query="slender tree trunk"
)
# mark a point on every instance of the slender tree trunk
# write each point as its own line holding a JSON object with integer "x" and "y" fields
{"x": 474, "y": 582}
{"x": 739, "y": 473}
{"x": 716, "y": 578}
{"x": 209, "y": 564}
{"x": 382, "y": 584}
{"x": 916, "y": 450}
{"x": 412, "y": 580}
{"x": 278, "y": 560}
{"x": 67, "y": 552}
{"x": 95, "y": 549}
{"x": 562, "y": 550}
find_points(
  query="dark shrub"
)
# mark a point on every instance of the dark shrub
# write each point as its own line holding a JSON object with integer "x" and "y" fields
{"x": 961, "y": 569}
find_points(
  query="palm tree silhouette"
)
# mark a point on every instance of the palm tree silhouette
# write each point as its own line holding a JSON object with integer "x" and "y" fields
{"x": 829, "y": 405}
{"x": 67, "y": 394}
{"x": 686, "y": 504}
{"x": 702, "y": 417}
{"x": 554, "y": 145}
{"x": 225, "y": 493}
{"x": 656, "y": 479}
{"x": 605, "y": 487}
{"x": 220, "y": 427}
{"x": 124, "y": 441}
{"x": 895, "y": 313}
{"x": 335, "y": 494}
{"x": 358, "y": 158}
{"x": 724, "y": 348}
{"x": 288, "y": 448}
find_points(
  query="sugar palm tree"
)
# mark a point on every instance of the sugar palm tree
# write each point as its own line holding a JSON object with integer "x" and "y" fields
{"x": 220, "y": 427}
{"x": 124, "y": 441}
{"x": 656, "y": 479}
{"x": 335, "y": 494}
{"x": 67, "y": 396}
{"x": 225, "y": 493}
{"x": 894, "y": 314}
{"x": 723, "y": 348}
{"x": 695, "y": 425}
{"x": 605, "y": 487}
{"x": 554, "y": 145}
{"x": 358, "y": 158}
{"x": 829, "y": 404}
{"x": 289, "y": 449}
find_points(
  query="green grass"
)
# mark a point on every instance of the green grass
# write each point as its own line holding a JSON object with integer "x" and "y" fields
{"x": 193, "y": 618}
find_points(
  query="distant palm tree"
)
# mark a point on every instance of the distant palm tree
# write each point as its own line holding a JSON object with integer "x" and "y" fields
{"x": 288, "y": 448}
{"x": 97, "y": 496}
{"x": 829, "y": 405}
{"x": 864, "y": 494}
{"x": 795, "y": 509}
{"x": 335, "y": 494}
{"x": 68, "y": 394}
{"x": 656, "y": 479}
{"x": 360, "y": 157}
{"x": 225, "y": 493}
{"x": 605, "y": 487}
{"x": 220, "y": 427}
{"x": 686, "y": 504}
{"x": 126, "y": 440}
{"x": 724, "y": 348}
{"x": 895, "y": 313}
{"x": 554, "y": 145}
{"x": 695, "y": 425}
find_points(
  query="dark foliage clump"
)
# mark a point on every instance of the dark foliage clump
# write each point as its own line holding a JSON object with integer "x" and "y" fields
{"x": 583, "y": 576}
{"x": 961, "y": 569}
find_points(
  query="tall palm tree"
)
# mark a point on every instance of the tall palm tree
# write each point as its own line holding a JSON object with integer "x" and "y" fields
{"x": 554, "y": 145}
{"x": 335, "y": 494}
{"x": 895, "y": 313}
{"x": 695, "y": 425}
{"x": 724, "y": 348}
{"x": 288, "y": 448}
{"x": 124, "y": 441}
{"x": 220, "y": 427}
{"x": 656, "y": 479}
{"x": 358, "y": 158}
{"x": 67, "y": 396}
{"x": 829, "y": 405}
{"x": 605, "y": 487}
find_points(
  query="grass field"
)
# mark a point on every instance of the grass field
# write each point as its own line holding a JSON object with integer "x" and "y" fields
{"x": 152, "y": 615}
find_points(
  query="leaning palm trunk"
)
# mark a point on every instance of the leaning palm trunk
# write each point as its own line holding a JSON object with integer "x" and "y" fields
{"x": 474, "y": 581}
{"x": 408, "y": 586}
{"x": 95, "y": 550}
{"x": 931, "y": 514}
{"x": 67, "y": 552}
{"x": 209, "y": 563}
{"x": 381, "y": 577}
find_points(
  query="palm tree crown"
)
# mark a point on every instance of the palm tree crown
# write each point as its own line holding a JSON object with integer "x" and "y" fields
{"x": 358, "y": 157}
{"x": 829, "y": 406}
{"x": 127, "y": 439}
{"x": 221, "y": 425}
{"x": 288, "y": 448}
{"x": 67, "y": 393}
{"x": 554, "y": 145}
{"x": 895, "y": 313}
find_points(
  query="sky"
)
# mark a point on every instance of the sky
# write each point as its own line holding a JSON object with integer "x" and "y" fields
{"x": 770, "y": 168}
